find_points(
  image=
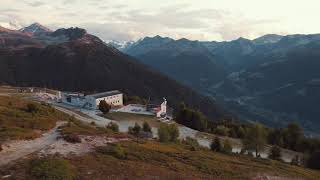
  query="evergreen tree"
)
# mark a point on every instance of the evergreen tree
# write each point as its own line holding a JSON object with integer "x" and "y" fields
{"x": 292, "y": 136}
{"x": 255, "y": 139}
{"x": 227, "y": 148}
{"x": 191, "y": 118}
{"x": 163, "y": 133}
{"x": 168, "y": 133}
{"x": 135, "y": 130}
{"x": 146, "y": 127}
{"x": 275, "y": 153}
{"x": 216, "y": 145}
{"x": 174, "y": 132}
{"x": 104, "y": 107}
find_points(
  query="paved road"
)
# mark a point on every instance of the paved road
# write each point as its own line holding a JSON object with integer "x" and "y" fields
{"x": 203, "y": 138}
{"x": 17, "y": 149}
{"x": 98, "y": 122}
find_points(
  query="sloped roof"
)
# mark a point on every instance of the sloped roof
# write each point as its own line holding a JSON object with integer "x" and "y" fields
{"x": 105, "y": 94}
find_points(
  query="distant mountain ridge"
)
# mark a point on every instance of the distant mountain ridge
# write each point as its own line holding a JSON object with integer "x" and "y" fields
{"x": 35, "y": 28}
{"x": 272, "y": 78}
{"x": 183, "y": 56}
{"x": 268, "y": 39}
{"x": 73, "y": 60}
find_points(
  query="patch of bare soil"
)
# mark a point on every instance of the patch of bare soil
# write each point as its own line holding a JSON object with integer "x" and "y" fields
{"x": 17, "y": 149}
{"x": 271, "y": 177}
{"x": 88, "y": 144}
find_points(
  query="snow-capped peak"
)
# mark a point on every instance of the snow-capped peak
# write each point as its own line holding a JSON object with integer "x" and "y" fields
{"x": 11, "y": 25}
{"x": 35, "y": 28}
{"x": 119, "y": 45}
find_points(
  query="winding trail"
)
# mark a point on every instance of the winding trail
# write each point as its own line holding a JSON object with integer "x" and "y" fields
{"x": 14, "y": 150}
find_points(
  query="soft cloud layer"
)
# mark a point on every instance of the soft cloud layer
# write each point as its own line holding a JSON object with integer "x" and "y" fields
{"x": 125, "y": 20}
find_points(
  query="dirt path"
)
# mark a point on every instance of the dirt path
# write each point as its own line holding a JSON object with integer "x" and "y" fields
{"x": 17, "y": 149}
{"x": 204, "y": 139}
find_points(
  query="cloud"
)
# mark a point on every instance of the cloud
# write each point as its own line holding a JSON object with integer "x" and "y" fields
{"x": 9, "y": 10}
{"x": 174, "y": 21}
{"x": 35, "y": 3}
{"x": 114, "y": 31}
{"x": 235, "y": 27}
{"x": 126, "y": 20}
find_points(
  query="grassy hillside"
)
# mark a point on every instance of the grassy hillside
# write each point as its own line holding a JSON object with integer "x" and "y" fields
{"x": 23, "y": 119}
{"x": 153, "y": 160}
{"x": 132, "y": 159}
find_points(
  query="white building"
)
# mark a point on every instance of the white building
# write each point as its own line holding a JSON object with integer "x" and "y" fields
{"x": 163, "y": 109}
{"x": 114, "y": 98}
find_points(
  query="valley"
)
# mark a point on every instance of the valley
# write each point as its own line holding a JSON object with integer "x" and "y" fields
{"x": 254, "y": 79}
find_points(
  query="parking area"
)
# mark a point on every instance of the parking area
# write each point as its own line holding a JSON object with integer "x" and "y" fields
{"x": 134, "y": 108}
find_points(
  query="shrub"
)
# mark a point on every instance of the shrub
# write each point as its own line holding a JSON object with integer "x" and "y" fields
{"x": 113, "y": 126}
{"x": 93, "y": 123}
{"x": 163, "y": 133}
{"x": 114, "y": 150}
{"x": 168, "y": 133}
{"x": 221, "y": 130}
{"x": 72, "y": 138}
{"x": 32, "y": 108}
{"x": 146, "y": 127}
{"x": 192, "y": 143}
{"x": 135, "y": 130}
{"x": 227, "y": 148}
{"x": 275, "y": 153}
{"x": 51, "y": 168}
{"x": 216, "y": 145}
{"x": 104, "y": 107}
{"x": 174, "y": 132}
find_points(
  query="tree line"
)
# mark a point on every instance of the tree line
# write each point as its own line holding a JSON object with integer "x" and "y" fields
{"x": 255, "y": 136}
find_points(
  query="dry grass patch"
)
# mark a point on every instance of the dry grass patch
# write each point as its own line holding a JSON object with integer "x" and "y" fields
{"x": 23, "y": 119}
{"x": 154, "y": 160}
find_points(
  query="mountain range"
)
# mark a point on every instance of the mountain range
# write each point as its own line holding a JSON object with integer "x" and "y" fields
{"x": 73, "y": 60}
{"x": 273, "y": 79}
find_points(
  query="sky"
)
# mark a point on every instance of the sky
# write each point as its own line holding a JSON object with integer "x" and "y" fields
{"x": 206, "y": 20}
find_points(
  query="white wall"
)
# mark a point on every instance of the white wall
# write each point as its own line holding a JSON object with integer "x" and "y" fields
{"x": 92, "y": 103}
{"x": 115, "y": 100}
